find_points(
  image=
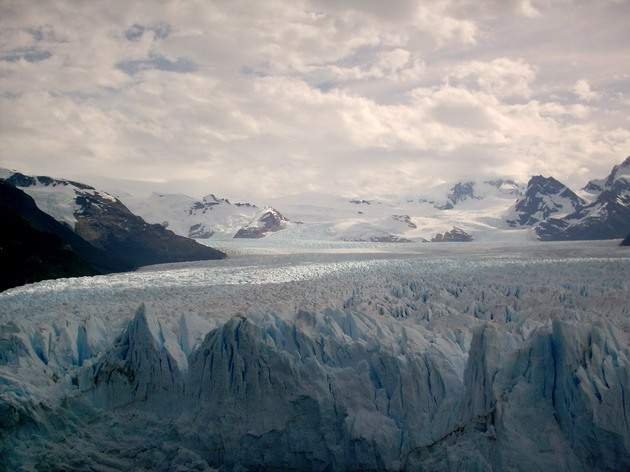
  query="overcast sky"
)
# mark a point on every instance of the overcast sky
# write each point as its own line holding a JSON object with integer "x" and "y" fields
{"x": 266, "y": 98}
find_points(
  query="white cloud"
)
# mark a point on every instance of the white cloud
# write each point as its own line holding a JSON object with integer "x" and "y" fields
{"x": 503, "y": 77}
{"x": 269, "y": 99}
{"x": 582, "y": 89}
{"x": 394, "y": 65}
{"x": 527, "y": 8}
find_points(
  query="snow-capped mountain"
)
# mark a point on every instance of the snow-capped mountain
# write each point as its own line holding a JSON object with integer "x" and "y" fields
{"x": 269, "y": 221}
{"x": 106, "y": 223}
{"x": 594, "y": 187}
{"x": 484, "y": 209}
{"x": 477, "y": 207}
{"x": 211, "y": 217}
{"x": 618, "y": 182}
{"x": 545, "y": 196}
{"x": 459, "y": 192}
{"x": 471, "y": 190}
{"x": 606, "y": 217}
{"x": 58, "y": 197}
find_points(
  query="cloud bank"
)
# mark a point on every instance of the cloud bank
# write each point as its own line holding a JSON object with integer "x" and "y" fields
{"x": 264, "y": 99}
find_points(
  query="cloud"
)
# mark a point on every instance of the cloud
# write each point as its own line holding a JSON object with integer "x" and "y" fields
{"x": 136, "y": 31}
{"x": 503, "y": 77}
{"x": 527, "y": 8}
{"x": 28, "y": 55}
{"x": 265, "y": 99}
{"x": 582, "y": 89}
{"x": 158, "y": 62}
{"x": 395, "y": 64}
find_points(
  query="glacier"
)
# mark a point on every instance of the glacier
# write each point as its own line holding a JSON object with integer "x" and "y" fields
{"x": 334, "y": 357}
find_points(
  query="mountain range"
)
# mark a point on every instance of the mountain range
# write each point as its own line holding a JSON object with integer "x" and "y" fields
{"x": 607, "y": 216}
{"x": 106, "y": 235}
{"x": 61, "y": 228}
{"x": 490, "y": 210}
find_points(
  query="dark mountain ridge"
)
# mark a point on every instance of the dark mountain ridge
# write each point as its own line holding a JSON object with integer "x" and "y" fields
{"x": 107, "y": 224}
{"x": 34, "y": 246}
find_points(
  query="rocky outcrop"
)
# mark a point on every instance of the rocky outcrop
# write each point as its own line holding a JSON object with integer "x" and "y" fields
{"x": 270, "y": 221}
{"x": 405, "y": 219}
{"x": 390, "y": 238}
{"x": 200, "y": 231}
{"x": 506, "y": 187}
{"x": 594, "y": 186}
{"x": 454, "y": 235}
{"x": 207, "y": 203}
{"x": 459, "y": 192}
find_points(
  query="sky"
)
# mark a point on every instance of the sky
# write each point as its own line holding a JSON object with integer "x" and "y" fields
{"x": 262, "y": 99}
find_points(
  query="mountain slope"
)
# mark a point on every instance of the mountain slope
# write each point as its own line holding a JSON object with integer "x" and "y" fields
{"x": 618, "y": 182}
{"x": 449, "y": 196}
{"x": 607, "y": 217}
{"x": 16, "y": 202}
{"x": 269, "y": 221}
{"x": 210, "y": 217}
{"x": 113, "y": 228}
{"x": 545, "y": 196}
{"x": 477, "y": 207}
{"x": 28, "y": 254}
{"x": 107, "y": 224}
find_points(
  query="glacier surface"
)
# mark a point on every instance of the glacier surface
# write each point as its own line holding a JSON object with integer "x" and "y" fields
{"x": 326, "y": 357}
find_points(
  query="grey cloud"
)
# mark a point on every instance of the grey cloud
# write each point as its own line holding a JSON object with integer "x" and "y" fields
{"x": 253, "y": 72}
{"x": 136, "y": 31}
{"x": 29, "y": 55}
{"x": 44, "y": 33}
{"x": 37, "y": 33}
{"x": 180, "y": 65}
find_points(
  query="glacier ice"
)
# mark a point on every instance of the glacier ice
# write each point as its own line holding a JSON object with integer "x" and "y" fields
{"x": 415, "y": 363}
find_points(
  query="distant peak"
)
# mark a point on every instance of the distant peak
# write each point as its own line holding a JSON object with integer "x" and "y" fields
{"x": 213, "y": 199}
{"x": 544, "y": 184}
{"x": 272, "y": 212}
{"x": 620, "y": 172}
